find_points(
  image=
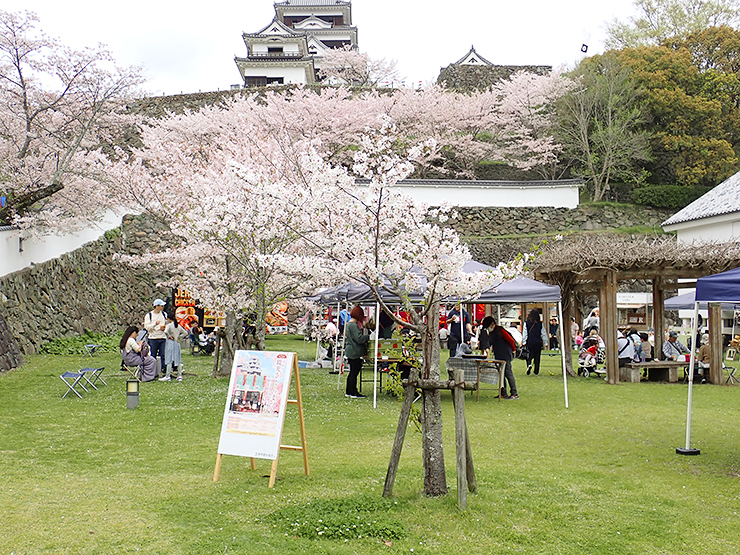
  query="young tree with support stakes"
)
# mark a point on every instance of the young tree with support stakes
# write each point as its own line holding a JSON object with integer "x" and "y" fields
{"x": 382, "y": 238}
{"x": 57, "y": 107}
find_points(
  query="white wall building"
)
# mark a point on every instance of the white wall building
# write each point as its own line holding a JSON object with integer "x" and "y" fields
{"x": 562, "y": 193}
{"x": 17, "y": 253}
{"x": 712, "y": 218}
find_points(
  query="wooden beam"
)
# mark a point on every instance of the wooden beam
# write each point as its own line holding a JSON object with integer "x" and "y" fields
{"x": 658, "y": 317}
{"x": 608, "y": 326}
{"x": 715, "y": 343}
{"x": 673, "y": 286}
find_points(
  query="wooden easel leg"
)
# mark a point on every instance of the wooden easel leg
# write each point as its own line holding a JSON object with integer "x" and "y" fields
{"x": 302, "y": 422}
{"x": 217, "y": 471}
{"x": 253, "y": 463}
{"x": 273, "y": 473}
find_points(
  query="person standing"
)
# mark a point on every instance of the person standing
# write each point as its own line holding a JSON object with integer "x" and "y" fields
{"x": 172, "y": 352}
{"x": 574, "y": 329}
{"x": 553, "y": 333}
{"x": 355, "y": 347}
{"x": 502, "y": 345}
{"x": 154, "y": 324}
{"x": 460, "y": 329}
{"x": 534, "y": 337}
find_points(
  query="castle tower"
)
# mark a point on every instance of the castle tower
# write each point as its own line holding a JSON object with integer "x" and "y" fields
{"x": 290, "y": 48}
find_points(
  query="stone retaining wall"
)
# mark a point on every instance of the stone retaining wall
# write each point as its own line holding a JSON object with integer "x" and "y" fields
{"x": 497, "y": 221}
{"x": 84, "y": 290}
{"x": 89, "y": 289}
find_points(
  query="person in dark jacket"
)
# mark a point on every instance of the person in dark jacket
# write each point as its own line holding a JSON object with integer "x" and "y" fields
{"x": 534, "y": 337}
{"x": 355, "y": 347}
{"x": 460, "y": 329}
{"x": 502, "y": 345}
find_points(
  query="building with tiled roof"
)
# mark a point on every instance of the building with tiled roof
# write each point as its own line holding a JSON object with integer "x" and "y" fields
{"x": 290, "y": 48}
{"x": 473, "y": 71}
{"x": 713, "y": 217}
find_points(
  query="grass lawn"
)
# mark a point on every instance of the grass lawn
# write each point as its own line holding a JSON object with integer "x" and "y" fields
{"x": 91, "y": 477}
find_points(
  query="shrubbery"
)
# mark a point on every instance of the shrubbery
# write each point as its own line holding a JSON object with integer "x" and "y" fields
{"x": 672, "y": 197}
{"x": 75, "y": 345}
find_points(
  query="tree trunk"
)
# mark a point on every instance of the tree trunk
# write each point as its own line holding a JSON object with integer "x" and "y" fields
{"x": 435, "y": 480}
{"x": 228, "y": 344}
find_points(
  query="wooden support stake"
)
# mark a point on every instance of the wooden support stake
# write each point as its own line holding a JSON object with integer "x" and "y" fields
{"x": 403, "y": 422}
{"x": 458, "y": 397}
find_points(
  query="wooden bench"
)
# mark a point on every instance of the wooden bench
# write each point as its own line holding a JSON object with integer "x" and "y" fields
{"x": 658, "y": 370}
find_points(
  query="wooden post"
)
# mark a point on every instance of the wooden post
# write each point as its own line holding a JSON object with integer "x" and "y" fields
{"x": 658, "y": 317}
{"x": 715, "y": 343}
{"x": 568, "y": 312}
{"x": 458, "y": 396}
{"x": 608, "y": 325}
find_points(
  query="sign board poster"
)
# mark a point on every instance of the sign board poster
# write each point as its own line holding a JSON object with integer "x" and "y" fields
{"x": 255, "y": 404}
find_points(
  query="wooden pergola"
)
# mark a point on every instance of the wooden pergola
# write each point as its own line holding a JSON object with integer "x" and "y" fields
{"x": 595, "y": 264}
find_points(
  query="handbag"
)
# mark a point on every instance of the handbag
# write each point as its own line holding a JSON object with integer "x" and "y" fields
{"x": 523, "y": 353}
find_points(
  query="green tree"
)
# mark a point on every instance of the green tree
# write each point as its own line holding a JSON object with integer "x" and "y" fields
{"x": 600, "y": 125}
{"x": 660, "y": 20}
{"x": 690, "y": 94}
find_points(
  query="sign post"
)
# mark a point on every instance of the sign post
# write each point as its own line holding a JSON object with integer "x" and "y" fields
{"x": 255, "y": 409}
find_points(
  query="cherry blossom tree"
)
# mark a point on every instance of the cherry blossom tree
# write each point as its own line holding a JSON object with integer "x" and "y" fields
{"x": 350, "y": 67}
{"x": 57, "y": 106}
{"x": 236, "y": 196}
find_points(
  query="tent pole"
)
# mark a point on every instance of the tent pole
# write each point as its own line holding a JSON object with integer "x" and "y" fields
{"x": 341, "y": 361}
{"x": 375, "y": 355}
{"x": 688, "y": 450}
{"x": 562, "y": 351}
{"x": 335, "y": 354}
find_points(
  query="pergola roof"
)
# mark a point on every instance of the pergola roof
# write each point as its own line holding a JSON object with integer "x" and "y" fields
{"x": 586, "y": 257}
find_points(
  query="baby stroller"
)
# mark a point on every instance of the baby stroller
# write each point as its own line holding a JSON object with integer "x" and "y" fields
{"x": 589, "y": 357}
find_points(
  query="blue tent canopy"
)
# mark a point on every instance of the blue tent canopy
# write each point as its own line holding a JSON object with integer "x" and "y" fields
{"x": 519, "y": 290}
{"x": 724, "y": 287}
{"x": 686, "y": 302}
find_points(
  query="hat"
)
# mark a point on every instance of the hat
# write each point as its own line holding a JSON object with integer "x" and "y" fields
{"x": 159, "y": 302}
{"x": 673, "y": 334}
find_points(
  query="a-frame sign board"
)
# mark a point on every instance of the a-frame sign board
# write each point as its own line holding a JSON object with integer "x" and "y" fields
{"x": 255, "y": 408}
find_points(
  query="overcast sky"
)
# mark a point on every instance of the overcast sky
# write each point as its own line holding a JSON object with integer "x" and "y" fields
{"x": 188, "y": 46}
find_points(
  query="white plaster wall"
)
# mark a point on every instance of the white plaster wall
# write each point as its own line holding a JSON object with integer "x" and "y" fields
{"x": 289, "y": 74}
{"x": 47, "y": 247}
{"x": 472, "y": 195}
{"x": 718, "y": 229}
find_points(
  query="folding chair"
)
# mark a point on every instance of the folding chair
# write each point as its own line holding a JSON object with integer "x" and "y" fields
{"x": 731, "y": 377}
{"x": 95, "y": 375}
{"x": 91, "y": 349}
{"x": 72, "y": 380}
{"x": 135, "y": 371}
